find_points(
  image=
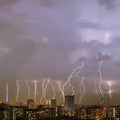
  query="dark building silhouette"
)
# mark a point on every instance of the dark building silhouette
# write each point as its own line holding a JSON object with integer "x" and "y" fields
{"x": 53, "y": 103}
{"x": 69, "y": 102}
{"x": 30, "y": 104}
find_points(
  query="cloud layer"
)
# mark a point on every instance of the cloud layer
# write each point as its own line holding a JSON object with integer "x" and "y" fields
{"x": 48, "y": 38}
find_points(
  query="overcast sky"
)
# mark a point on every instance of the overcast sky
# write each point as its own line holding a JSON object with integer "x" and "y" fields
{"x": 49, "y": 38}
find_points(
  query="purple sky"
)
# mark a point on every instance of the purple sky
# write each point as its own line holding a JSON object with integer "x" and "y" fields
{"x": 47, "y": 38}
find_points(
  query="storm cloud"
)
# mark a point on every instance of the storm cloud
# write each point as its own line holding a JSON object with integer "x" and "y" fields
{"x": 48, "y": 38}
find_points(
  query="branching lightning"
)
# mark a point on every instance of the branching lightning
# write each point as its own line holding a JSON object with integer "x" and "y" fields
{"x": 96, "y": 88}
{"x": 82, "y": 89}
{"x": 28, "y": 87}
{"x": 61, "y": 90}
{"x": 18, "y": 90}
{"x": 44, "y": 87}
{"x": 74, "y": 73}
{"x": 35, "y": 90}
{"x": 53, "y": 88}
{"x": 42, "y": 97}
{"x": 101, "y": 79}
{"x": 110, "y": 91}
{"x": 45, "y": 84}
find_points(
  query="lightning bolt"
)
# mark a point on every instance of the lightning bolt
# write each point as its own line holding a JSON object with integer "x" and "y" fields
{"x": 101, "y": 79}
{"x": 61, "y": 90}
{"x": 42, "y": 97}
{"x": 53, "y": 88}
{"x": 35, "y": 90}
{"x": 110, "y": 91}
{"x": 74, "y": 73}
{"x": 18, "y": 90}
{"x": 28, "y": 87}
{"x": 96, "y": 88}
{"x": 44, "y": 87}
{"x": 82, "y": 90}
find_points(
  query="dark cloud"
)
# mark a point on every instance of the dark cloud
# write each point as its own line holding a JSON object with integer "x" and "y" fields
{"x": 115, "y": 42}
{"x": 19, "y": 56}
{"x": 47, "y": 3}
{"x": 117, "y": 63}
{"x": 4, "y": 25}
{"x": 110, "y": 4}
{"x": 7, "y": 2}
{"x": 102, "y": 57}
{"x": 81, "y": 59}
{"x": 10, "y": 27}
{"x": 85, "y": 24}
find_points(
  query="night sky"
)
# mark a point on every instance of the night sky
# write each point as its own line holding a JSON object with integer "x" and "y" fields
{"x": 41, "y": 39}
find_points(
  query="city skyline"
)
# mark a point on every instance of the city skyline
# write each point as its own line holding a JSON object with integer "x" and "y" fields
{"x": 74, "y": 44}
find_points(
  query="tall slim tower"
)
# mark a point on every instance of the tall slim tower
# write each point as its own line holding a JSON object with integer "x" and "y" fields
{"x": 69, "y": 102}
{"x": 1, "y": 90}
{"x": 6, "y": 94}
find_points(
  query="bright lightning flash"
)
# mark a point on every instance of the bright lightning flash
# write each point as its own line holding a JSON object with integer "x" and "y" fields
{"x": 35, "y": 89}
{"x": 18, "y": 90}
{"x": 110, "y": 91}
{"x": 74, "y": 73}
{"x": 82, "y": 90}
{"x": 101, "y": 79}
{"x": 28, "y": 87}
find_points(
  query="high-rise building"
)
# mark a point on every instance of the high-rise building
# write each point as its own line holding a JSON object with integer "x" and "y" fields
{"x": 60, "y": 110}
{"x": 69, "y": 102}
{"x": 53, "y": 103}
{"x": 12, "y": 113}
